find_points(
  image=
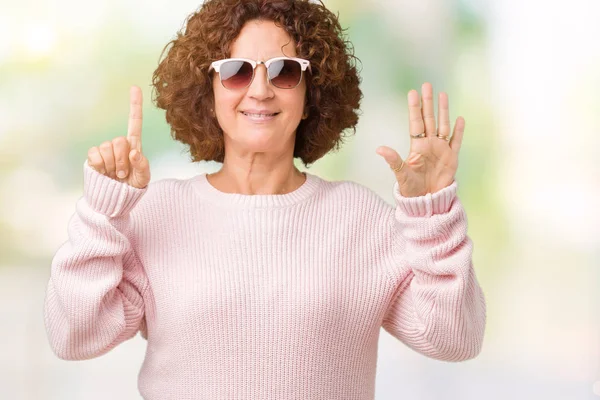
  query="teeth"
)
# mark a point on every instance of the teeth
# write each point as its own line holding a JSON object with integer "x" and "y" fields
{"x": 257, "y": 115}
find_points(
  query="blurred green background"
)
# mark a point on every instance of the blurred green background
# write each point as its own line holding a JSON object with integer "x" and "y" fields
{"x": 525, "y": 76}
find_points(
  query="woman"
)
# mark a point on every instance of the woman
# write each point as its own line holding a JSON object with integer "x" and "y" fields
{"x": 259, "y": 281}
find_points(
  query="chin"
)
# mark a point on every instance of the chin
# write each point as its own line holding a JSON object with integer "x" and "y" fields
{"x": 260, "y": 140}
{"x": 260, "y": 143}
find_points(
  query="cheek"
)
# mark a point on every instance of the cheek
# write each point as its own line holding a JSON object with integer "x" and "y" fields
{"x": 295, "y": 103}
{"x": 225, "y": 103}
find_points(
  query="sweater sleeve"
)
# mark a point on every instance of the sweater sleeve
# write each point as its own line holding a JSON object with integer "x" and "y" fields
{"x": 94, "y": 298}
{"x": 438, "y": 308}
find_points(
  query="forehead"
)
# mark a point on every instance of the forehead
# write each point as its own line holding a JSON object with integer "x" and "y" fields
{"x": 261, "y": 40}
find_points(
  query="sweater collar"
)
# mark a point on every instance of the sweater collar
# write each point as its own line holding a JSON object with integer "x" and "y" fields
{"x": 209, "y": 192}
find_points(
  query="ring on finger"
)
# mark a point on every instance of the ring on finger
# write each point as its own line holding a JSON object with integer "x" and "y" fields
{"x": 397, "y": 169}
{"x": 419, "y": 136}
{"x": 443, "y": 137}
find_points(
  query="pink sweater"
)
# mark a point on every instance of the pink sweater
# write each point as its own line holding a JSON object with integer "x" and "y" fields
{"x": 262, "y": 296}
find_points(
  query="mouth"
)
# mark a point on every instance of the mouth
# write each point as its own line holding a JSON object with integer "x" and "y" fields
{"x": 259, "y": 117}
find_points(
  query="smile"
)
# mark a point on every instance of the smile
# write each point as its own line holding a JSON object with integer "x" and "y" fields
{"x": 259, "y": 117}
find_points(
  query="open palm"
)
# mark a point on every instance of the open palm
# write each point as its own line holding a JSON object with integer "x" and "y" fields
{"x": 432, "y": 160}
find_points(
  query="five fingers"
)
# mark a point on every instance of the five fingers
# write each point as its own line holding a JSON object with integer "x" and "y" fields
{"x": 422, "y": 120}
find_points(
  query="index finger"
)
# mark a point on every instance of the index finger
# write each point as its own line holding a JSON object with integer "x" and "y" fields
{"x": 134, "y": 127}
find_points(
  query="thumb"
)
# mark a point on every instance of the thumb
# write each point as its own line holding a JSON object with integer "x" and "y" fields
{"x": 392, "y": 158}
{"x": 135, "y": 157}
{"x": 140, "y": 168}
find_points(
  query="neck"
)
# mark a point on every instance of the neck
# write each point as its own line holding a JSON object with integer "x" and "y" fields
{"x": 234, "y": 178}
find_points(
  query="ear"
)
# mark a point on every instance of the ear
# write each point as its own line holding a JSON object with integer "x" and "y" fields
{"x": 305, "y": 113}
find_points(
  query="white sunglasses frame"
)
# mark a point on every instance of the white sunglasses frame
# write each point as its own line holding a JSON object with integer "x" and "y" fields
{"x": 304, "y": 64}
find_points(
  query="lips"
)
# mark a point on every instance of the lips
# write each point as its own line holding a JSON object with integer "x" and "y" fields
{"x": 258, "y": 118}
{"x": 259, "y": 113}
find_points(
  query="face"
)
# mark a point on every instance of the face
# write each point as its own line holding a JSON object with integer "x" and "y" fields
{"x": 260, "y": 40}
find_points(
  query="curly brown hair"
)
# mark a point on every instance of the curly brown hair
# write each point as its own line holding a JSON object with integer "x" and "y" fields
{"x": 183, "y": 87}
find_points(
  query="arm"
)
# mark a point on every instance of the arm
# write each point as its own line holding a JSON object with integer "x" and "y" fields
{"x": 438, "y": 307}
{"x": 94, "y": 298}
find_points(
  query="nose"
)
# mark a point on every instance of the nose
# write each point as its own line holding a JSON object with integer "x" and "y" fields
{"x": 260, "y": 87}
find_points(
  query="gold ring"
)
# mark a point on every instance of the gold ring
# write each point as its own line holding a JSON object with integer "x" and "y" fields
{"x": 446, "y": 138}
{"x": 419, "y": 136}
{"x": 398, "y": 169}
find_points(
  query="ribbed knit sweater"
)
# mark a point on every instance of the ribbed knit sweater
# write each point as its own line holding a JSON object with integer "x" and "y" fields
{"x": 262, "y": 296}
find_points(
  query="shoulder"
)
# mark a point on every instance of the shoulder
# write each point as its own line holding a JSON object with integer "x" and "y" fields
{"x": 164, "y": 184}
{"x": 353, "y": 194}
{"x": 356, "y": 207}
{"x": 164, "y": 195}
{"x": 173, "y": 184}
{"x": 349, "y": 187}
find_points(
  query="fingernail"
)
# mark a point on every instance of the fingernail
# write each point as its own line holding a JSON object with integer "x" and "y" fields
{"x": 121, "y": 174}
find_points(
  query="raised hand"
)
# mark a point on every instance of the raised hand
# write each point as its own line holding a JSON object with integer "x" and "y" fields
{"x": 433, "y": 158}
{"x": 122, "y": 158}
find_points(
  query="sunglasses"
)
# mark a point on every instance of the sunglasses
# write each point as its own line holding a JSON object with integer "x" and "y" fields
{"x": 282, "y": 72}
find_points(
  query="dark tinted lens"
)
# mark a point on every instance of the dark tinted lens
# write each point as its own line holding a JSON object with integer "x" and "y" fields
{"x": 236, "y": 74}
{"x": 285, "y": 74}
